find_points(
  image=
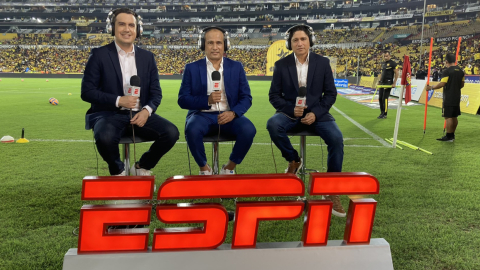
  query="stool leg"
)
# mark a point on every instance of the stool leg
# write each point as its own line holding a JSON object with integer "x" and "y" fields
{"x": 215, "y": 164}
{"x": 303, "y": 155}
{"x": 126, "y": 158}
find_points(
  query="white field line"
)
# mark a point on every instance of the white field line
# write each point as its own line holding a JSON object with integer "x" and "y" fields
{"x": 374, "y": 136}
{"x": 313, "y": 144}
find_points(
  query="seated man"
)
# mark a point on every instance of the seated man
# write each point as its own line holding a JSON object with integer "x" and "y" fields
{"x": 299, "y": 71}
{"x": 212, "y": 111}
{"x": 106, "y": 78}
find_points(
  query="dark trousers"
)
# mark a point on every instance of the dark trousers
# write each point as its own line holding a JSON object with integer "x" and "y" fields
{"x": 109, "y": 130}
{"x": 383, "y": 95}
{"x": 279, "y": 124}
{"x": 206, "y": 123}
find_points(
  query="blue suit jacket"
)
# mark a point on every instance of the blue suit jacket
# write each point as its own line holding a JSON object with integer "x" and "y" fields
{"x": 193, "y": 91}
{"x": 321, "y": 90}
{"x": 102, "y": 82}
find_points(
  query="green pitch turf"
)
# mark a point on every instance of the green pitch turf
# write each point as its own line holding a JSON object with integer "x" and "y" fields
{"x": 428, "y": 207}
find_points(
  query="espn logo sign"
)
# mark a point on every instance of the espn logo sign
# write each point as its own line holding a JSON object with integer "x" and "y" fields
{"x": 94, "y": 236}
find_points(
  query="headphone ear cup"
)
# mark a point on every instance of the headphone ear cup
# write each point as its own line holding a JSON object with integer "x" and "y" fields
{"x": 226, "y": 42}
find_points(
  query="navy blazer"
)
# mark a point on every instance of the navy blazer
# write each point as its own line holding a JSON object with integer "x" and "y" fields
{"x": 102, "y": 82}
{"x": 193, "y": 90}
{"x": 321, "y": 90}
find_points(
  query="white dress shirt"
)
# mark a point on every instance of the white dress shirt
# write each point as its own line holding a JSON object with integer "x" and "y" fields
{"x": 302, "y": 71}
{"x": 223, "y": 104}
{"x": 129, "y": 69}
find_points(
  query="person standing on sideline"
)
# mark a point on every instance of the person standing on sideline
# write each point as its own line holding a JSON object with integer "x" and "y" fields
{"x": 301, "y": 71}
{"x": 389, "y": 77}
{"x": 210, "y": 111}
{"x": 453, "y": 80}
{"x": 112, "y": 113}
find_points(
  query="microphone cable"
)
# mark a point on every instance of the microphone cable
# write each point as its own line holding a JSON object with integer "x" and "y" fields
{"x": 321, "y": 146}
{"x": 95, "y": 148}
{"x": 135, "y": 81}
{"x": 134, "y": 147}
{"x": 273, "y": 156}
{"x": 188, "y": 150}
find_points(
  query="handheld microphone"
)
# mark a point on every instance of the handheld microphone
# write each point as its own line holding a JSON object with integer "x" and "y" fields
{"x": 134, "y": 89}
{"x": 216, "y": 77}
{"x": 301, "y": 99}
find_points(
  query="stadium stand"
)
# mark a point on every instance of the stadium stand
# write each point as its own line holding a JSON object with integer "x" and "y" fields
{"x": 62, "y": 34}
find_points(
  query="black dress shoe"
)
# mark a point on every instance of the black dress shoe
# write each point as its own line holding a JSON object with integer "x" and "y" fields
{"x": 231, "y": 215}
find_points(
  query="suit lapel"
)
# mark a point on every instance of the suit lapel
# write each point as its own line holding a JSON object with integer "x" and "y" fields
{"x": 311, "y": 71}
{"x": 115, "y": 61}
{"x": 226, "y": 77}
{"x": 203, "y": 74}
{"x": 292, "y": 68}
{"x": 138, "y": 63}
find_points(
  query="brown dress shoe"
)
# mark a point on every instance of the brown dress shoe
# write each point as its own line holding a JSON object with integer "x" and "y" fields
{"x": 293, "y": 167}
{"x": 337, "y": 209}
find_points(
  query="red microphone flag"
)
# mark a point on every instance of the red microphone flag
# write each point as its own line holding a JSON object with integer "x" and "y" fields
{"x": 407, "y": 79}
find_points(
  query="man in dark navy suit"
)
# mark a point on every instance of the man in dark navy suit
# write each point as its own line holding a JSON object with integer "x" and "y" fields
{"x": 305, "y": 69}
{"x": 107, "y": 76}
{"x": 213, "y": 111}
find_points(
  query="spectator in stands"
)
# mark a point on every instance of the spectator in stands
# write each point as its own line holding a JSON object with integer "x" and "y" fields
{"x": 421, "y": 74}
{"x": 105, "y": 84}
{"x": 435, "y": 75}
{"x": 211, "y": 112}
{"x": 311, "y": 72}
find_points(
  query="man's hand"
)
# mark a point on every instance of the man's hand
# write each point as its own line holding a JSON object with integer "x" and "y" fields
{"x": 225, "y": 117}
{"x": 309, "y": 118}
{"x": 394, "y": 85}
{"x": 215, "y": 97}
{"x": 298, "y": 111}
{"x": 140, "y": 118}
{"x": 128, "y": 102}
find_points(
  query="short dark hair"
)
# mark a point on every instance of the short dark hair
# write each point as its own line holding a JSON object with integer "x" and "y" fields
{"x": 299, "y": 28}
{"x": 123, "y": 10}
{"x": 450, "y": 58}
{"x": 385, "y": 52}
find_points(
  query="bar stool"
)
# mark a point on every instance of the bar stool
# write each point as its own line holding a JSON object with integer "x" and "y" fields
{"x": 215, "y": 140}
{"x": 126, "y": 140}
{"x": 303, "y": 147}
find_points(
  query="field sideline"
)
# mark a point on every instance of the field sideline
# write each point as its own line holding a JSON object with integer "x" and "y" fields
{"x": 428, "y": 207}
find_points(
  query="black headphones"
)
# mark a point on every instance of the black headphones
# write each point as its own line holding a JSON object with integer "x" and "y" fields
{"x": 201, "y": 38}
{"x": 310, "y": 33}
{"x": 111, "y": 20}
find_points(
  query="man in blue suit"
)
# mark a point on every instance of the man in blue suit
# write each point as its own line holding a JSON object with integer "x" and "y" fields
{"x": 105, "y": 80}
{"x": 305, "y": 69}
{"x": 213, "y": 111}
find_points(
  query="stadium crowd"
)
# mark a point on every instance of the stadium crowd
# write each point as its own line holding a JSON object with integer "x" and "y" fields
{"x": 172, "y": 60}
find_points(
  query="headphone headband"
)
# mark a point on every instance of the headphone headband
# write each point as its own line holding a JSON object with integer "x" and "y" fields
{"x": 201, "y": 38}
{"x": 311, "y": 35}
{"x": 113, "y": 14}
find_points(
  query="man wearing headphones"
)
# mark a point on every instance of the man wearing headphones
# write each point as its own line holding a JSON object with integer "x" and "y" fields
{"x": 299, "y": 72}
{"x": 112, "y": 113}
{"x": 211, "y": 111}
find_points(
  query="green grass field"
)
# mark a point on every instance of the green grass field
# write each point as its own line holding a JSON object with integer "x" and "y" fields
{"x": 428, "y": 207}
